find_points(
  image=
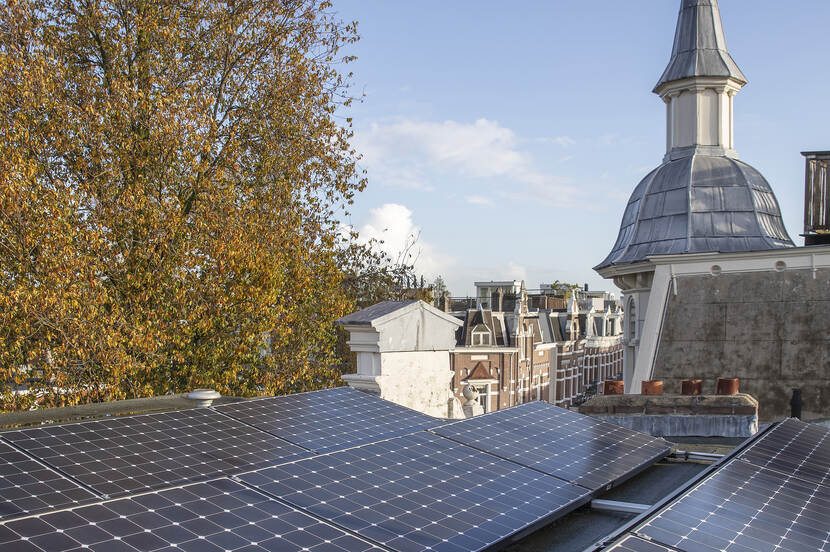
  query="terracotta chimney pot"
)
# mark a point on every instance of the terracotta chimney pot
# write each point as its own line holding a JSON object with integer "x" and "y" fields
{"x": 613, "y": 387}
{"x": 651, "y": 387}
{"x": 727, "y": 386}
{"x": 691, "y": 387}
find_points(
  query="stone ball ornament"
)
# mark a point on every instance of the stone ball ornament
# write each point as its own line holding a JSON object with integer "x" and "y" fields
{"x": 470, "y": 393}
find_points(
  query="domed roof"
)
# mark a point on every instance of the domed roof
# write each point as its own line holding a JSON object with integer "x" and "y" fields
{"x": 699, "y": 204}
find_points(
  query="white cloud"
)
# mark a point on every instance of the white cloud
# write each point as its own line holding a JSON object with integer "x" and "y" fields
{"x": 563, "y": 141}
{"x": 392, "y": 226}
{"x": 409, "y": 153}
{"x": 515, "y": 271}
{"x": 478, "y": 200}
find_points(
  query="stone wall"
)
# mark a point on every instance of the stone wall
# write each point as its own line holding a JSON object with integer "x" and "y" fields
{"x": 770, "y": 329}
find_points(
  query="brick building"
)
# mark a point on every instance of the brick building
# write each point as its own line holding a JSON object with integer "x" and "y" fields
{"x": 535, "y": 347}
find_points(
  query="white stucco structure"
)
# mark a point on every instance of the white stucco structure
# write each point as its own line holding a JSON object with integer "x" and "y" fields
{"x": 402, "y": 352}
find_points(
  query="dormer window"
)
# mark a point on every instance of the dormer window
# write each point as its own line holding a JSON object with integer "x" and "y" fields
{"x": 481, "y": 335}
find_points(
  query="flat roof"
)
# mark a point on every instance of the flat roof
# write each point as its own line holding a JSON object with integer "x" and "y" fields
{"x": 580, "y": 529}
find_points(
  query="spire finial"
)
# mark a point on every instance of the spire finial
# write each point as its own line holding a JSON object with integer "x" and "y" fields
{"x": 699, "y": 48}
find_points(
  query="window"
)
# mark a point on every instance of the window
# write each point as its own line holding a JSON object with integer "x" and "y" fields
{"x": 481, "y": 335}
{"x": 483, "y": 396}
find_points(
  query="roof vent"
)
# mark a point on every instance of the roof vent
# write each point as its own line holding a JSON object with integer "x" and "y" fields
{"x": 203, "y": 397}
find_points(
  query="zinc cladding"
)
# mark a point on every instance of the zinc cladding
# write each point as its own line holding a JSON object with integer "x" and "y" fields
{"x": 772, "y": 495}
{"x": 195, "y": 480}
{"x": 699, "y": 48}
{"x": 699, "y": 204}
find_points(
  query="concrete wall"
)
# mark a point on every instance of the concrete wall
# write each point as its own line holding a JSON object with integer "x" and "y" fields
{"x": 678, "y": 415}
{"x": 770, "y": 329}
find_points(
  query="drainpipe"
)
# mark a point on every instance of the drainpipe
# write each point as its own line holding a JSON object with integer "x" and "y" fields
{"x": 795, "y": 404}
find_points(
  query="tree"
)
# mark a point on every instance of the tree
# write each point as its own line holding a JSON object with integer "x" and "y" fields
{"x": 169, "y": 173}
{"x": 438, "y": 289}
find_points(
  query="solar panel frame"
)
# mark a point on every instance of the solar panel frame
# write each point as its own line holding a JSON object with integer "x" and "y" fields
{"x": 577, "y": 448}
{"x": 741, "y": 507}
{"x": 329, "y": 419}
{"x": 127, "y": 454}
{"x": 422, "y": 492}
{"x": 635, "y": 544}
{"x": 28, "y": 486}
{"x": 212, "y": 516}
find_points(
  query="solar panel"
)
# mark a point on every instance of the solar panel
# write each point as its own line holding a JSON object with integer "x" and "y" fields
{"x": 633, "y": 544}
{"x": 556, "y": 441}
{"x": 421, "y": 492}
{"x": 746, "y": 508}
{"x": 331, "y": 419}
{"x": 27, "y": 486}
{"x": 794, "y": 447}
{"x": 213, "y": 516}
{"x": 127, "y": 454}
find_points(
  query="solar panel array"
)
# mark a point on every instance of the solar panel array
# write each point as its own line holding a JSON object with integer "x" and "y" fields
{"x": 328, "y": 470}
{"x": 340, "y": 418}
{"x": 27, "y": 486}
{"x": 559, "y": 442}
{"x": 213, "y": 516}
{"x": 421, "y": 492}
{"x": 118, "y": 456}
{"x": 774, "y": 495}
{"x": 796, "y": 448}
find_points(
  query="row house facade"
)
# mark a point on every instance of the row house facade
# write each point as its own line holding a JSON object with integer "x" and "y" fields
{"x": 513, "y": 353}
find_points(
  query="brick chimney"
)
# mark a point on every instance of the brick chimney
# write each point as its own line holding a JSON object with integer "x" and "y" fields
{"x": 496, "y": 300}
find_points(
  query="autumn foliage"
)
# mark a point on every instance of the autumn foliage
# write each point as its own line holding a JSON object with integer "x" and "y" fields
{"x": 169, "y": 173}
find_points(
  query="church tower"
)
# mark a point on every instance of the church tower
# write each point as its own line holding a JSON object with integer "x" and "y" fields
{"x": 701, "y": 199}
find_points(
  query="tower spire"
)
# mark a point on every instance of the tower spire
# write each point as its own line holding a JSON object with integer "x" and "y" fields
{"x": 698, "y": 84}
{"x": 699, "y": 48}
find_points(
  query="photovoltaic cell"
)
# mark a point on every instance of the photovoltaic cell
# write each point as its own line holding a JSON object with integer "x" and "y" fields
{"x": 742, "y": 507}
{"x": 421, "y": 492}
{"x": 633, "y": 544}
{"x": 129, "y": 454}
{"x": 796, "y": 448}
{"x": 26, "y": 486}
{"x": 214, "y": 516}
{"x": 556, "y": 441}
{"x": 331, "y": 419}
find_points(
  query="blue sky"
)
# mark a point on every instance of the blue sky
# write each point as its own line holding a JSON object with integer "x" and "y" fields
{"x": 510, "y": 135}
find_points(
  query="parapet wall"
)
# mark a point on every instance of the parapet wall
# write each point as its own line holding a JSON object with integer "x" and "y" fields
{"x": 678, "y": 415}
{"x": 770, "y": 329}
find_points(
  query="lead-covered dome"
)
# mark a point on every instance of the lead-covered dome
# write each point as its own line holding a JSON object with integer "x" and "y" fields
{"x": 699, "y": 204}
